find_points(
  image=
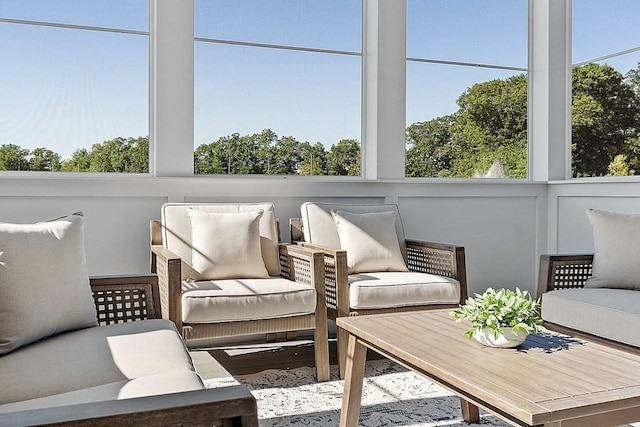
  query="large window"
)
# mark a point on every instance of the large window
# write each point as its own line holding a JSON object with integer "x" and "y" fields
{"x": 605, "y": 88}
{"x": 467, "y": 88}
{"x": 74, "y": 85}
{"x": 277, "y": 87}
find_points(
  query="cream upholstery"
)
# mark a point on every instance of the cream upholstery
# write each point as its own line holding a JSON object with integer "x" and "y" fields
{"x": 607, "y": 313}
{"x": 371, "y": 241}
{"x": 176, "y": 231}
{"x": 33, "y": 259}
{"x": 401, "y": 289}
{"x": 320, "y": 229}
{"x": 245, "y": 299}
{"x": 95, "y": 357}
{"x": 226, "y": 245}
{"x": 616, "y": 261}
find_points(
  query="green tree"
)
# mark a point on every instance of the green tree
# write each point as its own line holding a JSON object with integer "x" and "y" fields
{"x": 604, "y": 116}
{"x": 620, "y": 167}
{"x": 287, "y": 156}
{"x": 344, "y": 158}
{"x": 427, "y": 143}
{"x": 490, "y": 125}
{"x": 43, "y": 159}
{"x": 315, "y": 160}
{"x": 80, "y": 161}
{"x": 13, "y": 158}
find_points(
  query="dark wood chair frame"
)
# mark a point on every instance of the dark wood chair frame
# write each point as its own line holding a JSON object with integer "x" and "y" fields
{"x": 570, "y": 271}
{"x": 126, "y": 299}
{"x": 424, "y": 257}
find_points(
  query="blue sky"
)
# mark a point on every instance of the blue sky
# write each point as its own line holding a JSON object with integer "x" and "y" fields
{"x": 66, "y": 89}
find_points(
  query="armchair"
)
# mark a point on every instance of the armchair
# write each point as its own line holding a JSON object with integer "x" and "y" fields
{"x": 222, "y": 272}
{"x": 416, "y": 276}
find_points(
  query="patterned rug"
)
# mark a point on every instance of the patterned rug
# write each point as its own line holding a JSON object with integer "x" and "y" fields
{"x": 391, "y": 396}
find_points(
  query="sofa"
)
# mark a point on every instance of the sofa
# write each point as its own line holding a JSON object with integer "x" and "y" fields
{"x": 596, "y": 296}
{"x": 76, "y": 350}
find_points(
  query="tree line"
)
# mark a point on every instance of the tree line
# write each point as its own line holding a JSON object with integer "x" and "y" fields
{"x": 489, "y": 129}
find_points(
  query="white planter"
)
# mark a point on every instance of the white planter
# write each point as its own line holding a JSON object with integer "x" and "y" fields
{"x": 506, "y": 339}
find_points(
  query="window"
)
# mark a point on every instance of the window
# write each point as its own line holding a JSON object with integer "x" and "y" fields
{"x": 605, "y": 112}
{"x": 467, "y": 88}
{"x": 74, "y": 92}
{"x": 277, "y": 87}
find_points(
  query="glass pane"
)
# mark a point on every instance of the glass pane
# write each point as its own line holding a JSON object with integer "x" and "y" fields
{"x": 466, "y": 122}
{"x": 121, "y": 14}
{"x": 487, "y": 32}
{"x": 67, "y": 89}
{"x": 303, "y": 98}
{"x": 327, "y": 24}
{"x": 605, "y": 138}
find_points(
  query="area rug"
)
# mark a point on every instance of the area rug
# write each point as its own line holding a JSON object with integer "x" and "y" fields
{"x": 391, "y": 396}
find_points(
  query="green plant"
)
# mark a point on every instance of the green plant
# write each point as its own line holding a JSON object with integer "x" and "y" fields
{"x": 498, "y": 309}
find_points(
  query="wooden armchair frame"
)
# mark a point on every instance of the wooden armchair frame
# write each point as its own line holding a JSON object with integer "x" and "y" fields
{"x": 298, "y": 264}
{"x": 130, "y": 298}
{"x": 571, "y": 271}
{"x": 424, "y": 257}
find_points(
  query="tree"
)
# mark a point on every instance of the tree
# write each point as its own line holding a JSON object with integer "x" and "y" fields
{"x": 604, "y": 115}
{"x": 620, "y": 167}
{"x": 344, "y": 158}
{"x": 427, "y": 148}
{"x": 43, "y": 159}
{"x": 287, "y": 156}
{"x": 80, "y": 161}
{"x": 315, "y": 160}
{"x": 13, "y": 158}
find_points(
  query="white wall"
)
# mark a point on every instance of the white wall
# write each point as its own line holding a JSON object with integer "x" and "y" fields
{"x": 501, "y": 224}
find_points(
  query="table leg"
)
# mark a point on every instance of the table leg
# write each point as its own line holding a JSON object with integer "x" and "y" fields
{"x": 470, "y": 412}
{"x": 354, "y": 375}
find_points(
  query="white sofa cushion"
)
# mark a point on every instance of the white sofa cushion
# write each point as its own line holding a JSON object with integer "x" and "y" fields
{"x": 151, "y": 385}
{"x": 400, "y": 289}
{"x": 176, "y": 230}
{"x": 607, "y": 313}
{"x": 44, "y": 284}
{"x": 92, "y": 357}
{"x": 319, "y": 227}
{"x": 245, "y": 299}
{"x": 226, "y": 245}
{"x": 370, "y": 240}
{"x": 616, "y": 260}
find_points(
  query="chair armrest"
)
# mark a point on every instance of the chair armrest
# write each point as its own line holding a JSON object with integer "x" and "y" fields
{"x": 336, "y": 279}
{"x": 217, "y": 406}
{"x": 168, "y": 267}
{"x": 563, "y": 271}
{"x": 125, "y": 298}
{"x": 439, "y": 258}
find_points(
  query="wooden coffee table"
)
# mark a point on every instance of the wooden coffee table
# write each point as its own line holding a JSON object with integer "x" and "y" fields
{"x": 551, "y": 380}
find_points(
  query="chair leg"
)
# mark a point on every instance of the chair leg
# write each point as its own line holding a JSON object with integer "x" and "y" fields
{"x": 321, "y": 349}
{"x": 343, "y": 342}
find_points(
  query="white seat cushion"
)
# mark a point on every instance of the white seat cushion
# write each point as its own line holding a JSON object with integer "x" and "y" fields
{"x": 401, "y": 289}
{"x": 607, "y": 313}
{"x": 176, "y": 230}
{"x": 245, "y": 299}
{"x": 151, "y": 385}
{"x": 92, "y": 357}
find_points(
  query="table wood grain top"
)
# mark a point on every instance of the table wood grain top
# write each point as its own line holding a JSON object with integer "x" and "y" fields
{"x": 550, "y": 377}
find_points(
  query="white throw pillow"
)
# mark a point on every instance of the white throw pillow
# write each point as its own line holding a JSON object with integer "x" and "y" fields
{"x": 44, "y": 284}
{"x": 616, "y": 260}
{"x": 370, "y": 241}
{"x": 226, "y": 245}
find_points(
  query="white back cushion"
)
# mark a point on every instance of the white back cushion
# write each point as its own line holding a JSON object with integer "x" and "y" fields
{"x": 176, "y": 230}
{"x": 319, "y": 227}
{"x": 44, "y": 284}
{"x": 616, "y": 261}
{"x": 370, "y": 240}
{"x": 226, "y": 245}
